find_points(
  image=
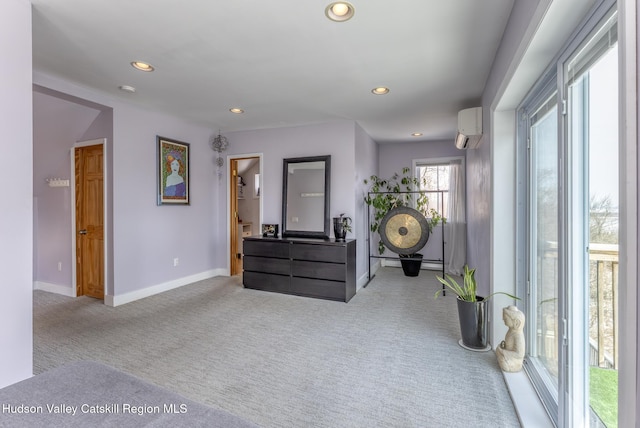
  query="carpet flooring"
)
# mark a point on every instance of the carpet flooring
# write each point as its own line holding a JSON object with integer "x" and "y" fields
{"x": 388, "y": 358}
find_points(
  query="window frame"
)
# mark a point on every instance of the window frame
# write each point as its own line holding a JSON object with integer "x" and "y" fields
{"x": 437, "y": 162}
{"x": 540, "y": 94}
{"x": 571, "y": 405}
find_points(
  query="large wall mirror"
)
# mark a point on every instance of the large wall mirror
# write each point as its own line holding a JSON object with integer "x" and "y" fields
{"x": 305, "y": 197}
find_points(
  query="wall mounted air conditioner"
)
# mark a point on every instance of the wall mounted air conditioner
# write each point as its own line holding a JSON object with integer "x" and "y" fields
{"x": 469, "y": 128}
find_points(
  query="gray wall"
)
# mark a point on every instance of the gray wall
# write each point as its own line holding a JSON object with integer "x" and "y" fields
{"x": 143, "y": 238}
{"x": 393, "y": 157}
{"x": 142, "y": 252}
{"x": 365, "y": 166}
{"x": 16, "y": 218}
{"x": 59, "y": 124}
{"x": 478, "y": 165}
{"x": 60, "y": 120}
{"x": 337, "y": 139}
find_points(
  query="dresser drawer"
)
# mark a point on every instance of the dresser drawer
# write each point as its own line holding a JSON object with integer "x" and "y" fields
{"x": 305, "y": 267}
{"x": 262, "y": 248}
{"x": 266, "y": 265}
{"x": 318, "y": 288}
{"x": 319, "y": 253}
{"x": 266, "y": 281}
{"x": 330, "y": 271}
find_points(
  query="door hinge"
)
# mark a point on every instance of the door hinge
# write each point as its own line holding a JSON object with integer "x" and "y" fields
{"x": 564, "y": 107}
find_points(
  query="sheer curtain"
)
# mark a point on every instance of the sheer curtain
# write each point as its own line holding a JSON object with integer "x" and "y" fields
{"x": 456, "y": 228}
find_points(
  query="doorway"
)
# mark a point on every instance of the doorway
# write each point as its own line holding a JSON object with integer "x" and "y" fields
{"x": 245, "y": 204}
{"x": 88, "y": 161}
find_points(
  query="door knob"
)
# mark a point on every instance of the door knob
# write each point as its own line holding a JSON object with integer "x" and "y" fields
{"x": 83, "y": 232}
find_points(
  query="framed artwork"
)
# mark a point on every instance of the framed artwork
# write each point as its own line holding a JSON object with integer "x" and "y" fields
{"x": 270, "y": 230}
{"x": 173, "y": 172}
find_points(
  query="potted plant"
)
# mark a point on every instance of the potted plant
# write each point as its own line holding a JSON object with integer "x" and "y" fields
{"x": 341, "y": 225}
{"x": 471, "y": 309}
{"x": 401, "y": 190}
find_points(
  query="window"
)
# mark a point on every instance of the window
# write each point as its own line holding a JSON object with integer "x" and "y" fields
{"x": 542, "y": 305}
{"x": 443, "y": 179}
{"x": 434, "y": 178}
{"x": 591, "y": 87}
{"x": 569, "y": 125}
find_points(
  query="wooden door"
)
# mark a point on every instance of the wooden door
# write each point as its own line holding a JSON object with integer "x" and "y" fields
{"x": 89, "y": 221}
{"x": 236, "y": 261}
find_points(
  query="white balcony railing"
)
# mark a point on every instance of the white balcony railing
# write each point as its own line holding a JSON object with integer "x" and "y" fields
{"x": 603, "y": 305}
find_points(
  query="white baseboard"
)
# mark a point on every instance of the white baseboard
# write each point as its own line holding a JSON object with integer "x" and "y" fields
{"x": 65, "y": 290}
{"x": 364, "y": 279}
{"x": 121, "y": 299}
{"x": 375, "y": 266}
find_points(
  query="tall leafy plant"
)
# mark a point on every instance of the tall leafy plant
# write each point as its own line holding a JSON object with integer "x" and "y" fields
{"x": 467, "y": 291}
{"x": 401, "y": 190}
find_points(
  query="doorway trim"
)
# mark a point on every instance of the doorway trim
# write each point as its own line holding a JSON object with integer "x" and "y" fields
{"x": 108, "y": 299}
{"x": 260, "y": 157}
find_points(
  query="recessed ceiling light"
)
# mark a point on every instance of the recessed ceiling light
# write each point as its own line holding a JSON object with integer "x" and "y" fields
{"x": 381, "y": 90}
{"x": 340, "y": 11}
{"x": 127, "y": 88}
{"x": 417, "y": 134}
{"x": 236, "y": 110}
{"x": 142, "y": 66}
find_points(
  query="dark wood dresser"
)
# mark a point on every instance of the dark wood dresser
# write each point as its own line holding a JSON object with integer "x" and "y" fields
{"x": 319, "y": 268}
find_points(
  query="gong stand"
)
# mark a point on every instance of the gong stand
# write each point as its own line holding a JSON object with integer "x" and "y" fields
{"x": 400, "y": 232}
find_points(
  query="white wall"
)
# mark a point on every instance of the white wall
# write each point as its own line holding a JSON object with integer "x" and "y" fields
{"x": 57, "y": 124}
{"x": 16, "y": 220}
{"x": 147, "y": 237}
{"x": 491, "y": 168}
{"x": 336, "y": 139}
{"x": 393, "y": 157}
{"x": 144, "y": 237}
{"x": 366, "y": 165}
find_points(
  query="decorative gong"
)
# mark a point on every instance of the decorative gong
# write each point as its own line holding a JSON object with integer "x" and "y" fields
{"x": 404, "y": 230}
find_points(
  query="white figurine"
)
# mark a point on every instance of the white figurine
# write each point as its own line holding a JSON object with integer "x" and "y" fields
{"x": 510, "y": 353}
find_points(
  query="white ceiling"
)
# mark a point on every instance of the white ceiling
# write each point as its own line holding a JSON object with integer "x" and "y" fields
{"x": 281, "y": 61}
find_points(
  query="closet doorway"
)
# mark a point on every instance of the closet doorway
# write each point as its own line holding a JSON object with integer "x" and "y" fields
{"x": 245, "y": 203}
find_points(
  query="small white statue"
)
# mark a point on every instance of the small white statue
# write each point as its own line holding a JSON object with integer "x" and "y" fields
{"x": 510, "y": 353}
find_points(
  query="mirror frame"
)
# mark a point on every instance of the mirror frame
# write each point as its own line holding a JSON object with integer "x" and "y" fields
{"x": 324, "y": 234}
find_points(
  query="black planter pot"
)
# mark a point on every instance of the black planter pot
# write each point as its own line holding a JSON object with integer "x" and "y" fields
{"x": 411, "y": 264}
{"x": 339, "y": 232}
{"x": 473, "y": 324}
